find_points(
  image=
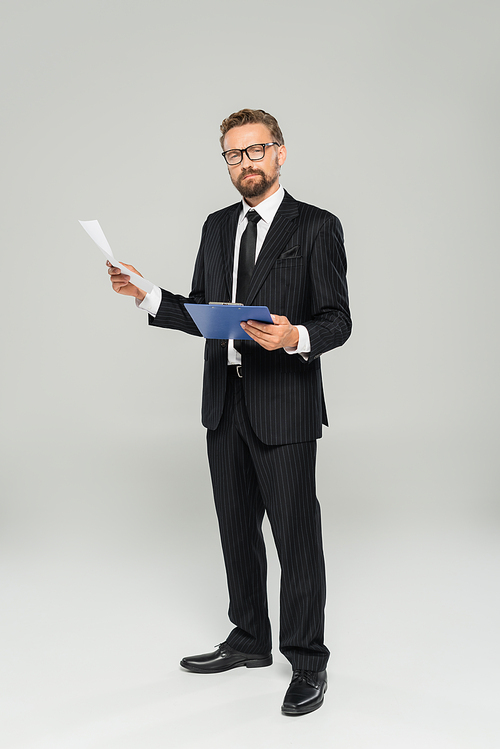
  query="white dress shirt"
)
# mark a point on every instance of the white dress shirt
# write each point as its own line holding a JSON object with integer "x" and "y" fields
{"x": 267, "y": 211}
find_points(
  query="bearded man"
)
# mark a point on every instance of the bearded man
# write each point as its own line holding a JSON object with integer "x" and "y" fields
{"x": 263, "y": 403}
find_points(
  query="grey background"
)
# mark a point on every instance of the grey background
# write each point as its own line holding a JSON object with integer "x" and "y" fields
{"x": 110, "y": 561}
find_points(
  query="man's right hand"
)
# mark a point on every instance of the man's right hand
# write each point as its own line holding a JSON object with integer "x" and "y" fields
{"x": 121, "y": 283}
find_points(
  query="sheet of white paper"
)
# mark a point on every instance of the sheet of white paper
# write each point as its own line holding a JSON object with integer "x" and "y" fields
{"x": 93, "y": 229}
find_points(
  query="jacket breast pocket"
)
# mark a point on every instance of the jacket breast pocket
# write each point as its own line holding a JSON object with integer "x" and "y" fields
{"x": 291, "y": 253}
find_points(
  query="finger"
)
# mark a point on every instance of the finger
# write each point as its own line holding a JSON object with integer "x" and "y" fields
{"x": 119, "y": 280}
{"x": 255, "y": 336}
{"x": 265, "y": 340}
{"x": 117, "y": 274}
{"x": 121, "y": 288}
{"x": 280, "y": 320}
{"x": 131, "y": 267}
{"x": 254, "y": 333}
{"x": 262, "y": 326}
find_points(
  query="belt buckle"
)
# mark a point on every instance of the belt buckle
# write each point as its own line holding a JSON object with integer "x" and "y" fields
{"x": 239, "y": 371}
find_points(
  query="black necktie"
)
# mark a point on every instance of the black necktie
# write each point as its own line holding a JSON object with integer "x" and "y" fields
{"x": 246, "y": 262}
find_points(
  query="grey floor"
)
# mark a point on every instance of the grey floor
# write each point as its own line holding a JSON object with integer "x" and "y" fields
{"x": 91, "y": 634}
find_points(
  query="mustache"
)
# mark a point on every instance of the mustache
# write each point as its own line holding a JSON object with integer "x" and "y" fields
{"x": 249, "y": 170}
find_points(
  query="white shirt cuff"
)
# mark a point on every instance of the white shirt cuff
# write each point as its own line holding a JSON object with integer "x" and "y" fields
{"x": 151, "y": 301}
{"x": 303, "y": 346}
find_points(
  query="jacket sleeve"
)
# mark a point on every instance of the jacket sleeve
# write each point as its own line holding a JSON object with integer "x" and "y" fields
{"x": 330, "y": 323}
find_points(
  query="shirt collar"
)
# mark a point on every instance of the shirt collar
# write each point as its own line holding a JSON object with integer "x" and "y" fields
{"x": 267, "y": 209}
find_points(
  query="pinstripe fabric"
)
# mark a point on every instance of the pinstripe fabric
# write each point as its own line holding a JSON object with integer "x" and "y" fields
{"x": 248, "y": 479}
{"x": 300, "y": 273}
{"x": 262, "y": 430}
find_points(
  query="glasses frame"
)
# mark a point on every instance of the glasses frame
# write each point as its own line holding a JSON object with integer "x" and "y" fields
{"x": 245, "y": 150}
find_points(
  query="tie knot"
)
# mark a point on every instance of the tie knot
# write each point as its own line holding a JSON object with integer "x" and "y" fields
{"x": 253, "y": 216}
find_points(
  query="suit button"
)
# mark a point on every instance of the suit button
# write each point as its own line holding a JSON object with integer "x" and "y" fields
{"x": 223, "y": 344}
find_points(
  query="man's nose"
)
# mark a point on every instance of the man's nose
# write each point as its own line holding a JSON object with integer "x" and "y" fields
{"x": 245, "y": 160}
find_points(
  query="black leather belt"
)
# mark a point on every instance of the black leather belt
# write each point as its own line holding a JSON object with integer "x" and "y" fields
{"x": 237, "y": 369}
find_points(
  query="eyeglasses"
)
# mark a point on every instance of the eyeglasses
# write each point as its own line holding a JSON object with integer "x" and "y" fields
{"x": 254, "y": 153}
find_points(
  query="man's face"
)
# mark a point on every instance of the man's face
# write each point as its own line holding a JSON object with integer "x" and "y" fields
{"x": 255, "y": 180}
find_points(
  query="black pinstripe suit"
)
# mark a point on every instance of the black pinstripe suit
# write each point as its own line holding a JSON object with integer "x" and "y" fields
{"x": 262, "y": 429}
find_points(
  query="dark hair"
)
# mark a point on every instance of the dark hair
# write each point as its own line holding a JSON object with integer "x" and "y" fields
{"x": 250, "y": 117}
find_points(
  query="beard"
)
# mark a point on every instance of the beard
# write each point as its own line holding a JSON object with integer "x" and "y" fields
{"x": 256, "y": 187}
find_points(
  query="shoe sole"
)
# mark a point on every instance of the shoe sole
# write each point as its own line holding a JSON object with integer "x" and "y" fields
{"x": 249, "y": 664}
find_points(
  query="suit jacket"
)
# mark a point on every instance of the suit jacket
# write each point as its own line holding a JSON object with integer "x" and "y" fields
{"x": 300, "y": 273}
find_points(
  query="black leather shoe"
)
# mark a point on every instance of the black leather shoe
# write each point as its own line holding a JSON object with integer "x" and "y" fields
{"x": 305, "y": 693}
{"x": 223, "y": 659}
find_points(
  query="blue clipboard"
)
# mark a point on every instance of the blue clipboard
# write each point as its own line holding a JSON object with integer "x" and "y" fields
{"x": 221, "y": 320}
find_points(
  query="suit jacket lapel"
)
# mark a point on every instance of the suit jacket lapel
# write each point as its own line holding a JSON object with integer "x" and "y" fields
{"x": 283, "y": 225}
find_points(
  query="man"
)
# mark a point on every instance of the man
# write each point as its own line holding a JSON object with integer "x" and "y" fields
{"x": 263, "y": 400}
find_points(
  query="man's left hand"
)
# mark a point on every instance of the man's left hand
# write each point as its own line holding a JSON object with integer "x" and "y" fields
{"x": 280, "y": 335}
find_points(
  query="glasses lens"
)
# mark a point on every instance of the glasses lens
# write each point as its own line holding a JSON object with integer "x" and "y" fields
{"x": 255, "y": 152}
{"x": 233, "y": 157}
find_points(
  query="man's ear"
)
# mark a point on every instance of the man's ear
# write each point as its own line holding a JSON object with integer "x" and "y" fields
{"x": 281, "y": 155}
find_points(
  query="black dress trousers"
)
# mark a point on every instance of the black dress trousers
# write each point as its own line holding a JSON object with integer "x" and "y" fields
{"x": 250, "y": 478}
